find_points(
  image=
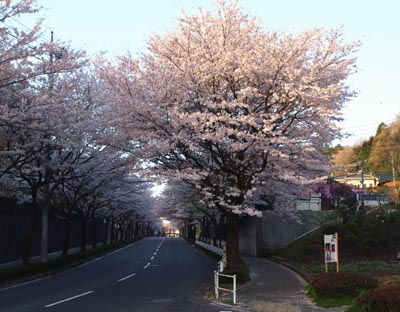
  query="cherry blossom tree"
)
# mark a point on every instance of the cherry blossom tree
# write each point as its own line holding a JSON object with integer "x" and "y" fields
{"x": 38, "y": 113}
{"x": 234, "y": 109}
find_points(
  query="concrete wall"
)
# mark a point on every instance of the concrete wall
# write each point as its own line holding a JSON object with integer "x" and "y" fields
{"x": 273, "y": 231}
{"x": 250, "y": 235}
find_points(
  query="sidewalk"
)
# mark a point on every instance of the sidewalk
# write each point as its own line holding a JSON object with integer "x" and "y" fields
{"x": 275, "y": 288}
{"x": 36, "y": 259}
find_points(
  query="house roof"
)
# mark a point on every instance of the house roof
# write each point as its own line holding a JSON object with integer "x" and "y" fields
{"x": 355, "y": 176}
{"x": 384, "y": 177}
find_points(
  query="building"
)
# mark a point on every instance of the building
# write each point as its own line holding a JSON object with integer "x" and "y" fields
{"x": 355, "y": 179}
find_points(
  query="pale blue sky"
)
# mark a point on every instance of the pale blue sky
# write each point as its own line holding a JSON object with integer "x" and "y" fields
{"x": 121, "y": 25}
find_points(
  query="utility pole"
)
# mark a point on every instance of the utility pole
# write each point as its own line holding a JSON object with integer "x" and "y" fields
{"x": 362, "y": 206}
{"x": 46, "y": 186}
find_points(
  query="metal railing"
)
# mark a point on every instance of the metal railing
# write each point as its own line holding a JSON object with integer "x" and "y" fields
{"x": 220, "y": 269}
{"x": 216, "y": 250}
{"x": 218, "y": 288}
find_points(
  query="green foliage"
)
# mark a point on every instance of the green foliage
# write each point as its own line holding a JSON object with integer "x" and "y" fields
{"x": 364, "y": 266}
{"x": 382, "y": 299}
{"x": 332, "y": 150}
{"x": 298, "y": 250}
{"x": 342, "y": 284}
{"x": 351, "y": 241}
{"x": 328, "y": 302}
{"x": 376, "y": 237}
{"x": 331, "y": 228}
{"x": 350, "y": 228}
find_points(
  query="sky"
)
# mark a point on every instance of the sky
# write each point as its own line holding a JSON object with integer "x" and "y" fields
{"x": 125, "y": 25}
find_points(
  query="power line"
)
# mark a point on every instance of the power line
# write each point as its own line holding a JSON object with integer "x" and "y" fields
{"x": 29, "y": 46}
{"x": 13, "y": 9}
{"x": 30, "y": 28}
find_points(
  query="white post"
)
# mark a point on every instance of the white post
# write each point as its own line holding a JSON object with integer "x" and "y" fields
{"x": 234, "y": 288}
{"x": 216, "y": 283}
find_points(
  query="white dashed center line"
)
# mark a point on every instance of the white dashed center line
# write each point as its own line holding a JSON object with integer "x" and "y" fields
{"x": 68, "y": 299}
{"x": 147, "y": 265}
{"x": 126, "y": 277}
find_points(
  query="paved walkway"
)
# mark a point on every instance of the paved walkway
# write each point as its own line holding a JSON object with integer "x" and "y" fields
{"x": 274, "y": 288}
{"x": 36, "y": 259}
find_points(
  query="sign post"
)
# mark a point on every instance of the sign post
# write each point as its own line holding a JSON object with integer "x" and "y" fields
{"x": 331, "y": 250}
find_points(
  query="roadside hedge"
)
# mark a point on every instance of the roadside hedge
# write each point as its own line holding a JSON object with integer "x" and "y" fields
{"x": 382, "y": 299}
{"x": 342, "y": 284}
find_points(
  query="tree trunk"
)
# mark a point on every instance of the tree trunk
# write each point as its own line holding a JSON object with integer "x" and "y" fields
{"x": 67, "y": 223}
{"x": 83, "y": 234}
{"x": 221, "y": 229}
{"x": 393, "y": 172}
{"x": 215, "y": 231}
{"x": 137, "y": 230}
{"x": 232, "y": 242}
{"x": 44, "y": 234}
{"x": 94, "y": 238}
{"x": 26, "y": 250}
{"x": 112, "y": 230}
{"x": 106, "y": 238}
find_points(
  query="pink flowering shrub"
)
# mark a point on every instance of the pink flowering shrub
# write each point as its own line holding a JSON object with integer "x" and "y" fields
{"x": 382, "y": 299}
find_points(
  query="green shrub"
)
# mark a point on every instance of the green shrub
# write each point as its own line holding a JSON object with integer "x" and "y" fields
{"x": 382, "y": 299}
{"x": 350, "y": 240}
{"x": 350, "y": 228}
{"x": 331, "y": 228}
{"x": 370, "y": 242}
{"x": 341, "y": 284}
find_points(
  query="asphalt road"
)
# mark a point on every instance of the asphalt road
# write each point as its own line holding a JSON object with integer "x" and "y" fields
{"x": 155, "y": 274}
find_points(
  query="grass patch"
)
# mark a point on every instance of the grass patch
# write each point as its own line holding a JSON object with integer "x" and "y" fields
{"x": 22, "y": 272}
{"x": 365, "y": 266}
{"x": 328, "y": 302}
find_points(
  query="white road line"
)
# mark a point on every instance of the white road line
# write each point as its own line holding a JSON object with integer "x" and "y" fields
{"x": 147, "y": 265}
{"x": 161, "y": 300}
{"x": 155, "y": 253}
{"x": 152, "y": 258}
{"x": 115, "y": 251}
{"x": 87, "y": 263}
{"x": 26, "y": 283}
{"x": 126, "y": 277}
{"x": 68, "y": 299}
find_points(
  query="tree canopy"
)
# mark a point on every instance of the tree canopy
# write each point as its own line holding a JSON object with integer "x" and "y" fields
{"x": 233, "y": 109}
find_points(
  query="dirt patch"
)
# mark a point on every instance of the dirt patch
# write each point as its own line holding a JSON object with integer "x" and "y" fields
{"x": 388, "y": 280}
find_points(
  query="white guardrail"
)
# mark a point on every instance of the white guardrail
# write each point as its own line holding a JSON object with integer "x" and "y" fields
{"x": 220, "y": 269}
{"x": 218, "y": 288}
{"x": 216, "y": 250}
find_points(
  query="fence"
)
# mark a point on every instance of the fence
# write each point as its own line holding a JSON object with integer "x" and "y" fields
{"x": 218, "y": 288}
{"x": 216, "y": 250}
{"x": 218, "y": 273}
